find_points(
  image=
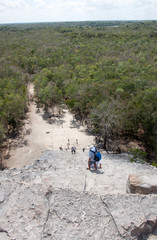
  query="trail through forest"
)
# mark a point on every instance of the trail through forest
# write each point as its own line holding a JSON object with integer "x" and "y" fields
{"x": 42, "y": 133}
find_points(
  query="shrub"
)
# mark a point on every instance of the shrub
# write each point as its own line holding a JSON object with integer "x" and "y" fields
{"x": 137, "y": 155}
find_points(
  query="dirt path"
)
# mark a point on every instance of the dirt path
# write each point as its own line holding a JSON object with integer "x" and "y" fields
{"x": 42, "y": 134}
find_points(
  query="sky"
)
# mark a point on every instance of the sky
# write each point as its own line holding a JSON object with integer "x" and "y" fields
{"x": 25, "y": 11}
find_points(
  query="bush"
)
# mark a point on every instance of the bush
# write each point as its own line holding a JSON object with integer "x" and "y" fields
{"x": 137, "y": 155}
{"x": 154, "y": 164}
{"x": 2, "y": 134}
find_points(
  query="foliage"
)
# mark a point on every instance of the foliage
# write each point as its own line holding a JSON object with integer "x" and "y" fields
{"x": 105, "y": 71}
{"x": 137, "y": 155}
{"x": 2, "y": 133}
{"x": 154, "y": 164}
{"x": 48, "y": 93}
{"x": 12, "y": 104}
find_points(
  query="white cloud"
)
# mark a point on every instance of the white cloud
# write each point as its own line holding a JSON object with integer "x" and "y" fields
{"x": 75, "y": 10}
{"x": 7, "y": 4}
{"x": 40, "y": 3}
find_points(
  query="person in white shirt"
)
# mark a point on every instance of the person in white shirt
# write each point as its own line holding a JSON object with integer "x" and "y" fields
{"x": 92, "y": 152}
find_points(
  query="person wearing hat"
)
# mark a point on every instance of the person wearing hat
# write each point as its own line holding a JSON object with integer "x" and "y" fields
{"x": 92, "y": 153}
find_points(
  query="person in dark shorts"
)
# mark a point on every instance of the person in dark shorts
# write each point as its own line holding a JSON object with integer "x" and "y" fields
{"x": 73, "y": 150}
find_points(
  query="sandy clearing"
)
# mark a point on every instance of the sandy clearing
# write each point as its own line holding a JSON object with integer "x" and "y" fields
{"x": 39, "y": 135}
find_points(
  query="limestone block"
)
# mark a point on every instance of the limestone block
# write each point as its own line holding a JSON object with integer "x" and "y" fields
{"x": 142, "y": 184}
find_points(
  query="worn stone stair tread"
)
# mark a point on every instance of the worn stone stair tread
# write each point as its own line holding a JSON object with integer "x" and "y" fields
{"x": 57, "y": 198}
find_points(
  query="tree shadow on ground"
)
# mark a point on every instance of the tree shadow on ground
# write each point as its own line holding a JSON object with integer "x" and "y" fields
{"x": 54, "y": 119}
{"x": 25, "y": 143}
{"x": 75, "y": 124}
{"x": 77, "y": 121}
{"x": 28, "y": 131}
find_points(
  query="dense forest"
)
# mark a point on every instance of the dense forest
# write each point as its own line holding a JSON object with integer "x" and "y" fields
{"x": 106, "y": 72}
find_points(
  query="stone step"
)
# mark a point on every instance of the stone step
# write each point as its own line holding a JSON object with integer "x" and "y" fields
{"x": 61, "y": 169}
{"x": 57, "y": 198}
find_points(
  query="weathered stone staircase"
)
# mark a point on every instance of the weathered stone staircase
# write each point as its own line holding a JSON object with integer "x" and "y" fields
{"x": 66, "y": 170}
{"x": 58, "y": 198}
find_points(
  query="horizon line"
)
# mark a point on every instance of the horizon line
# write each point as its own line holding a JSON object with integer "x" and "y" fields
{"x": 75, "y": 21}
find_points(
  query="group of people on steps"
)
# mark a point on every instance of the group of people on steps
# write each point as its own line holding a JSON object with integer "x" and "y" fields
{"x": 94, "y": 155}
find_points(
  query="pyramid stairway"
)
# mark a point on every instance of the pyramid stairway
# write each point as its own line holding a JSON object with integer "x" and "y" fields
{"x": 57, "y": 198}
{"x": 61, "y": 169}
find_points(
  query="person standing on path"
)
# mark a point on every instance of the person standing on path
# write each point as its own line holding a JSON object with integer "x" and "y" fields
{"x": 68, "y": 144}
{"x": 92, "y": 152}
{"x": 73, "y": 150}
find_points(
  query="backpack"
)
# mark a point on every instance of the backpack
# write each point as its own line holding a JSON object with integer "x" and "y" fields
{"x": 97, "y": 157}
{"x": 93, "y": 150}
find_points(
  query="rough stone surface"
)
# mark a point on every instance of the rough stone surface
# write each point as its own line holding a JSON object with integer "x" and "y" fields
{"x": 143, "y": 184}
{"x": 4, "y": 236}
{"x": 57, "y": 198}
{"x": 151, "y": 237}
{"x": 1, "y": 194}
